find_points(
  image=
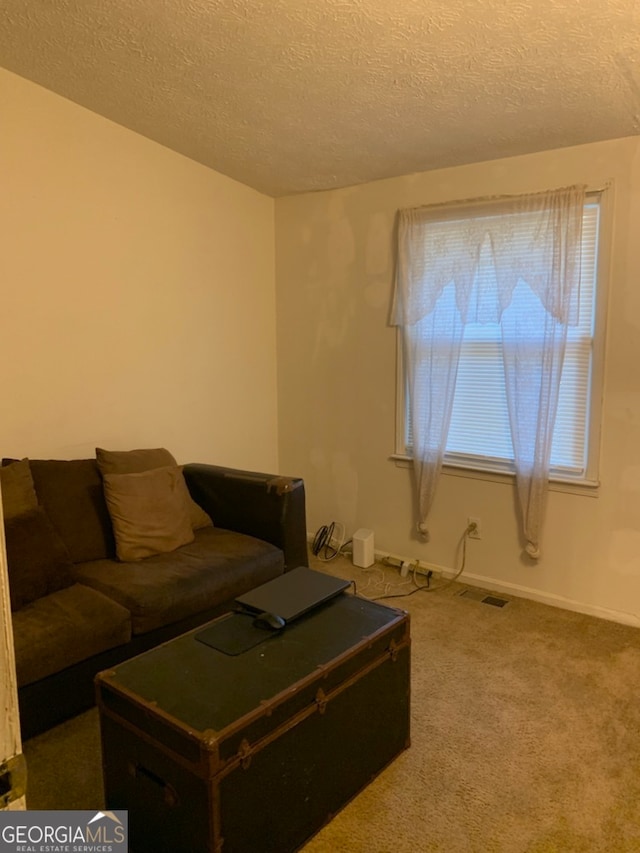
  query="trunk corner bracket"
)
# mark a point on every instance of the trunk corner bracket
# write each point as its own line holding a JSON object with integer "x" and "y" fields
{"x": 13, "y": 779}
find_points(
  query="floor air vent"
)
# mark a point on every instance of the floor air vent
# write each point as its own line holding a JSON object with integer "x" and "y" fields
{"x": 483, "y": 597}
{"x": 495, "y": 601}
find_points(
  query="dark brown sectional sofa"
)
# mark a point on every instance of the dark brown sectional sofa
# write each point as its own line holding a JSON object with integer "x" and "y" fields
{"x": 98, "y": 610}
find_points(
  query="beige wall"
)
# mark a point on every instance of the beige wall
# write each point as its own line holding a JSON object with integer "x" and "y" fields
{"x": 138, "y": 293}
{"x": 139, "y": 309}
{"x": 337, "y": 386}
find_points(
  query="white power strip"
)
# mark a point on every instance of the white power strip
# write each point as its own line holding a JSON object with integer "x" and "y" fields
{"x": 406, "y": 565}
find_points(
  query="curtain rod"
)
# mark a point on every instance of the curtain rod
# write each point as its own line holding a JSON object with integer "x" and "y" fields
{"x": 505, "y": 197}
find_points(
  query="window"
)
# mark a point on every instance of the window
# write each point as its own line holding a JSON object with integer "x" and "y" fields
{"x": 479, "y": 435}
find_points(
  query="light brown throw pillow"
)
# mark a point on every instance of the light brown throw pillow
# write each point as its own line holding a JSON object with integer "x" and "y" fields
{"x": 148, "y": 511}
{"x": 132, "y": 461}
{"x": 18, "y": 493}
{"x": 136, "y": 461}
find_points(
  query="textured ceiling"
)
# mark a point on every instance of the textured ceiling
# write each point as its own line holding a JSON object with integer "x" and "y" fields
{"x": 295, "y": 95}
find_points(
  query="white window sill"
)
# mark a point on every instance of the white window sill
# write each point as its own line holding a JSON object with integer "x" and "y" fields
{"x": 586, "y": 488}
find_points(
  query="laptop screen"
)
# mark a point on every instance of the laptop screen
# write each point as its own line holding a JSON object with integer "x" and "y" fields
{"x": 292, "y": 594}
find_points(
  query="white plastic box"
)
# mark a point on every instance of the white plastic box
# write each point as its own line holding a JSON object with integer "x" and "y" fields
{"x": 363, "y": 552}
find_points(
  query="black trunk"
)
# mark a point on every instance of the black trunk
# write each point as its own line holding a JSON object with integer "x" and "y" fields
{"x": 255, "y": 751}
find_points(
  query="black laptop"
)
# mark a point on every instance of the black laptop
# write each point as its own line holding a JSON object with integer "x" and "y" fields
{"x": 292, "y": 594}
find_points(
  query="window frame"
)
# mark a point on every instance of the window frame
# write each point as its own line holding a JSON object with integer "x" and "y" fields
{"x": 500, "y": 471}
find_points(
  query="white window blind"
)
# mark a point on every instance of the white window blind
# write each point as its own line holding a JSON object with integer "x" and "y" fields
{"x": 479, "y": 434}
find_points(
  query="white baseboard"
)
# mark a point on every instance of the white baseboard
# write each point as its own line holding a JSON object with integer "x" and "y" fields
{"x": 549, "y": 598}
{"x": 493, "y": 585}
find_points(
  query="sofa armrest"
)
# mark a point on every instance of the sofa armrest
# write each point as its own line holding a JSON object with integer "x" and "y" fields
{"x": 266, "y": 506}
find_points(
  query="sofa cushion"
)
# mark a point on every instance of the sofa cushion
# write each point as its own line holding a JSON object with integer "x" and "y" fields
{"x": 149, "y": 512}
{"x": 137, "y": 461}
{"x": 64, "y": 628}
{"x": 37, "y": 560}
{"x": 18, "y": 493}
{"x": 215, "y": 568}
{"x": 70, "y": 491}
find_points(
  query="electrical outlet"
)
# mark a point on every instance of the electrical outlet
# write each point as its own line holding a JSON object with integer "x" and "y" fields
{"x": 477, "y": 532}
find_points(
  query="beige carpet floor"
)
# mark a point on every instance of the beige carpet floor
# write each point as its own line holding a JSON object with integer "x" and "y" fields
{"x": 525, "y": 735}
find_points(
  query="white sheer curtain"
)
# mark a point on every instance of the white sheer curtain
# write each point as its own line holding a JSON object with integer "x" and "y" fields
{"x": 512, "y": 261}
